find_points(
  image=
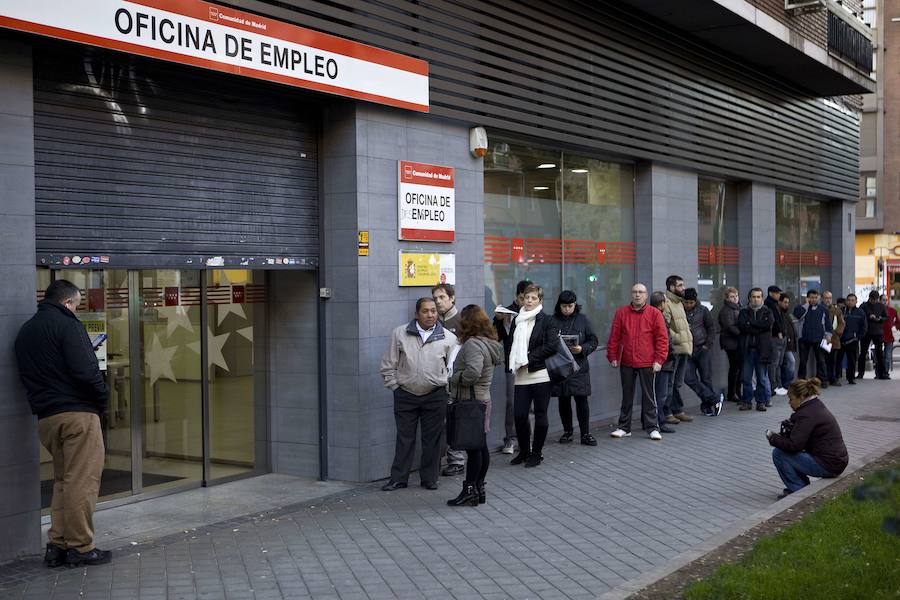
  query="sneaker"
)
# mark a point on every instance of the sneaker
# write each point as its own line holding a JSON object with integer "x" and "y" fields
{"x": 720, "y": 405}
{"x": 761, "y": 407}
{"x": 655, "y": 435}
{"x": 780, "y": 391}
{"x": 784, "y": 494}
{"x": 684, "y": 417}
{"x": 509, "y": 447}
{"x": 520, "y": 458}
{"x": 96, "y": 556}
{"x": 451, "y": 470}
{"x": 708, "y": 412}
{"x": 671, "y": 420}
{"x": 620, "y": 433}
{"x": 588, "y": 440}
{"x": 567, "y": 437}
{"x": 667, "y": 429}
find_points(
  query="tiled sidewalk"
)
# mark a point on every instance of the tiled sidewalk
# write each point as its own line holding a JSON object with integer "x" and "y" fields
{"x": 586, "y": 520}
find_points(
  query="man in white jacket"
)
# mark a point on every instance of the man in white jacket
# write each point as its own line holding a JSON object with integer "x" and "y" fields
{"x": 415, "y": 368}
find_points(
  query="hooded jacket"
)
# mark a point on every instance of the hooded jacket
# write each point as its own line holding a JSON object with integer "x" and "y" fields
{"x": 638, "y": 337}
{"x": 815, "y": 431}
{"x": 473, "y": 369}
{"x": 730, "y": 335}
{"x": 57, "y": 364}
{"x": 415, "y": 366}
{"x": 679, "y": 328}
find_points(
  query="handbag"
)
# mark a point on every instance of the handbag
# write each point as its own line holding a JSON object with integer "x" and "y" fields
{"x": 465, "y": 423}
{"x": 561, "y": 365}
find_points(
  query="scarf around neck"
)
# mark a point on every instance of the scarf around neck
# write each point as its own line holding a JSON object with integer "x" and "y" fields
{"x": 518, "y": 354}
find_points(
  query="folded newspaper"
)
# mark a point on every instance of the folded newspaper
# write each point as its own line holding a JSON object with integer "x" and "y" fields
{"x": 504, "y": 311}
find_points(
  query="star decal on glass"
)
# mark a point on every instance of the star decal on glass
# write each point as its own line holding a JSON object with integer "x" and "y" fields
{"x": 158, "y": 361}
{"x": 216, "y": 342}
{"x": 176, "y": 316}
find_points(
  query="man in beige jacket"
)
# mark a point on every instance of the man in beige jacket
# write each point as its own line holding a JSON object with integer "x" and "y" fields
{"x": 682, "y": 347}
{"x": 415, "y": 368}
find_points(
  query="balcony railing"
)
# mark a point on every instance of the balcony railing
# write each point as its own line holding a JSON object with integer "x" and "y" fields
{"x": 848, "y": 43}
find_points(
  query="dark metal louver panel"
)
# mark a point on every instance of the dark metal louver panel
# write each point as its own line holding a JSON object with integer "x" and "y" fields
{"x": 155, "y": 164}
{"x": 600, "y": 76}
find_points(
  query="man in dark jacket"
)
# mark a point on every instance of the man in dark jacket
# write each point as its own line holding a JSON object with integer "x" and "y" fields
{"x": 876, "y": 315}
{"x": 503, "y": 325}
{"x": 698, "y": 375}
{"x": 812, "y": 445}
{"x": 779, "y": 342}
{"x": 730, "y": 340}
{"x": 854, "y": 330}
{"x": 815, "y": 326}
{"x": 67, "y": 392}
{"x": 755, "y": 323}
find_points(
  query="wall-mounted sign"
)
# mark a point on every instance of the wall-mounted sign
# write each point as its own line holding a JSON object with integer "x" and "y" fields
{"x": 427, "y": 202}
{"x": 224, "y": 39}
{"x": 421, "y": 269}
{"x": 95, "y": 323}
{"x": 362, "y": 243}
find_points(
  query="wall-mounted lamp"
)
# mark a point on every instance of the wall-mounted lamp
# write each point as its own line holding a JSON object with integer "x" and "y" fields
{"x": 478, "y": 142}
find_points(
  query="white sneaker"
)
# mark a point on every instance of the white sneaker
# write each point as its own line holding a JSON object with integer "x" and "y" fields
{"x": 780, "y": 391}
{"x": 509, "y": 448}
{"x": 620, "y": 433}
{"x": 655, "y": 435}
{"x": 719, "y": 404}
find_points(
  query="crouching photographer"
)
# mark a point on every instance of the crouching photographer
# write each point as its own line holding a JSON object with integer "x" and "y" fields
{"x": 810, "y": 443}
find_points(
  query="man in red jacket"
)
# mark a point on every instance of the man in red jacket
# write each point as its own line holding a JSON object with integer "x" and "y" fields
{"x": 893, "y": 321}
{"x": 638, "y": 345}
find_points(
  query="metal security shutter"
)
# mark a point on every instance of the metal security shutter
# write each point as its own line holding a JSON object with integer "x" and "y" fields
{"x": 153, "y": 164}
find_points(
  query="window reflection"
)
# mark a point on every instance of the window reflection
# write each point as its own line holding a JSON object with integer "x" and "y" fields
{"x": 803, "y": 245}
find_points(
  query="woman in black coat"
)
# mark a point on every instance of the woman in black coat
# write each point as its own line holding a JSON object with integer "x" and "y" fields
{"x": 730, "y": 340}
{"x": 534, "y": 341}
{"x": 567, "y": 317}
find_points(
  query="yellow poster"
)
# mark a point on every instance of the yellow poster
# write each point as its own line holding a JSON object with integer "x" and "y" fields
{"x": 426, "y": 269}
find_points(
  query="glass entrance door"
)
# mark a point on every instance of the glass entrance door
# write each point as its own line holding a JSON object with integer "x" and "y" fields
{"x": 173, "y": 420}
{"x": 171, "y": 409}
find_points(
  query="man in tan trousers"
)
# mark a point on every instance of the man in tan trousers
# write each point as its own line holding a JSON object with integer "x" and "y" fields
{"x": 67, "y": 392}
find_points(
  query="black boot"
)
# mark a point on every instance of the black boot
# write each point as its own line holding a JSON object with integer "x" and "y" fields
{"x": 467, "y": 497}
{"x": 521, "y": 457}
{"x": 482, "y": 497}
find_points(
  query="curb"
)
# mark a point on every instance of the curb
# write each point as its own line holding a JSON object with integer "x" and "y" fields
{"x": 648, "y": 578}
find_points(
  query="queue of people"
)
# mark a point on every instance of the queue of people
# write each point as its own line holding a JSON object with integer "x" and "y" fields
{"x": 658, "y": 341}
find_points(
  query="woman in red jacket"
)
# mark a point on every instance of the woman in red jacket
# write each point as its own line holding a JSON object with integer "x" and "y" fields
{"x": 638, "y": 345}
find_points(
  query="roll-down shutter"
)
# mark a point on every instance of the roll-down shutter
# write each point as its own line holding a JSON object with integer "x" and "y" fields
{"x": 154, "y": 164}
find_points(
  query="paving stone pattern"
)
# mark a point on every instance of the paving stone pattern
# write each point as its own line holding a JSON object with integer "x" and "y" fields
{"x": 586, "y": 520}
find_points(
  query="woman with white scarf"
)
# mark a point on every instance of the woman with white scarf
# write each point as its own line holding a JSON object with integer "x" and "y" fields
{"x": 534, "y": 340}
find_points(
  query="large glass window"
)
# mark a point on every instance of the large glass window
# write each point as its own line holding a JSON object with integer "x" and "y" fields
{"x": 561, "y": 220}
{"x": 717, "y": 243}
{"x": 803, "y": 244}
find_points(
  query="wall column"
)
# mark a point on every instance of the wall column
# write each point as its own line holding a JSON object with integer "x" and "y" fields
{"x": 20, "y": 500}
{"x": 756, "y": 236}
{"x": 665, "y": 208}
{"x": 843, "y": 251}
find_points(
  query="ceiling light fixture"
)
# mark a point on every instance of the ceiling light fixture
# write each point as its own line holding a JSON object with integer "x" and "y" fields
{"x": 579, "y": 170}
{"x": 540, "y": 188}
{"x": 546, "y": 166}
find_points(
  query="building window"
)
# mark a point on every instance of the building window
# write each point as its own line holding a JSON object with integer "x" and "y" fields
{"x": 868, "y": 201}
{"x": 869, "y": 8}
{"x": 803, "y": 246}
{"x": 717, "y": 244}
{"x": 564, "y": 221}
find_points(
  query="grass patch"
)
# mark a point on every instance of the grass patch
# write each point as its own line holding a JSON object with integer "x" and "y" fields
{"x": 839, "y": 551}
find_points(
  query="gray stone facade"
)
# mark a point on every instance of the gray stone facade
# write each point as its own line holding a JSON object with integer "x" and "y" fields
{"x": 19, "y": 479}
